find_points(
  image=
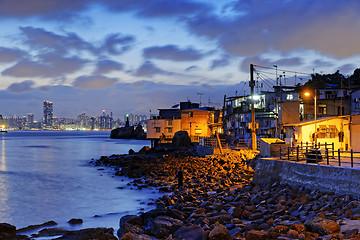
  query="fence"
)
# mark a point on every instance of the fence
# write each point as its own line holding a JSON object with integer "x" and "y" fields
{"x": 327, "y": 156}
{"x": 237, "y": 143}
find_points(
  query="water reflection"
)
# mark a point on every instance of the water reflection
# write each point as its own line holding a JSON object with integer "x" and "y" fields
{"x": 3, "y": 159}
{"x": 3, "y": 182}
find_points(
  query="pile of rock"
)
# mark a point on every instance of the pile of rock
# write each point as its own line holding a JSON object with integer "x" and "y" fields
{"x": 219, "y": 201}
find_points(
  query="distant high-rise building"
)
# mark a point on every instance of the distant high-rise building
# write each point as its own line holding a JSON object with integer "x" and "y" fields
{"x": 30, "y": 117}
{"x": 48, "y": 114}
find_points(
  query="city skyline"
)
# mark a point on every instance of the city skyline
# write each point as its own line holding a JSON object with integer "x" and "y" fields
{"x": 136, "y": 56}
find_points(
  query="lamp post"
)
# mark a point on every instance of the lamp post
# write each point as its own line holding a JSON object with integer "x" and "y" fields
{"x": 308, "y": 94}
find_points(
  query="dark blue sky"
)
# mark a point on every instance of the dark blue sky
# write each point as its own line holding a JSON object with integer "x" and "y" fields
{"x": 140, "y": 55}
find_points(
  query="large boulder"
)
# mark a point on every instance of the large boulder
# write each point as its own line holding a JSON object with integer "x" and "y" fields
{"x": 190, "y": 233}
{"x": 322, "y": 226}
{"x": 163, "y": 226}
{"x": 220, "y": 232}
{"x": 181, "y": 139}
{"x": 130, "y": 224}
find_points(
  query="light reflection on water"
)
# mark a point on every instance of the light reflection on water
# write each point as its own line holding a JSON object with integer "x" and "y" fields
{"x": 45, "y": 176}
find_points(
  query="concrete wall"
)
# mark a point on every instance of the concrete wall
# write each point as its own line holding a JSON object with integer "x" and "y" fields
{"x": 322, "y": 177}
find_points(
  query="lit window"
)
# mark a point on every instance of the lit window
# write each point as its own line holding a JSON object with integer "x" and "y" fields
{"x": 198, "y": 131}
{"x": 289, "y": 97}
{"x": 322, "y": 109}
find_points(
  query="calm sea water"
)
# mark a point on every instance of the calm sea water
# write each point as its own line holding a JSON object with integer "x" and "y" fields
{"x": 46, "y": 176}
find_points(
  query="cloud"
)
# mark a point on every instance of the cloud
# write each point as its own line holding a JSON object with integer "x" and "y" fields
{"x": 347, "y": 69}
{"x": 321, "y": 63}
{"x": 106, "y": 66}
{"x": 88, "y": 82}
{"x": 191, "y": 68}
{"x": 41, "y": 39}
{"x": 148, "y": 69}
{"x": 257, "y": 60}
{"x": 48, "y": 65}
{"x": 60, "y": 10}
{"x": 46, "y": 41}
{"x": 221, "y": 62}
{"x": 22, "y": 86}
{"x": 173, "y": 52}
{"x": 288, "y": 61}
{"x": 116, "y": 44}
{"x": 283, "y": 26}
{"x": 8, "y": 55}
{"x": 50, "y": 9}
{"x": 158, "y": 8}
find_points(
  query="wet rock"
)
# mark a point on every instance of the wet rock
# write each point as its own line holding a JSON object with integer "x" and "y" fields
{"x": 134, "y": 236}
{"x": 8, "y": 229}
{"x": 350, "y": 233}
{"x": 75, "y": 221}
{"x": 257, "y": 235}
{"x": 322, "y": 226}
{"x": 190, "y": 233}
{"x": 90, "y": 233}
{"x": 163, "y": 226}
{"x": 220, "y": 232}
{"x": 32, "y": 227}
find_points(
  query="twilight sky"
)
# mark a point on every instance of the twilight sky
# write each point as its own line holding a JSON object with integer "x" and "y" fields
{"x": 132, "y": 56}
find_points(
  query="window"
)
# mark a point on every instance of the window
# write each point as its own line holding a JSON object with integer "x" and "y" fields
{"x": 198, "y": 131}
{"x": 170, "y": 130}
{"x": 289, "y": 97}
{"x": 322, "y": 109}
{"x": 191, "y": 114}
{"x": 157, "y": 129}
{"x": 330, "y": 131}
{"x": 170, "y": 122}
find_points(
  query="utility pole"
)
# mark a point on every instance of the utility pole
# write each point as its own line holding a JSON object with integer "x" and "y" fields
{"x": 253, "y": 123}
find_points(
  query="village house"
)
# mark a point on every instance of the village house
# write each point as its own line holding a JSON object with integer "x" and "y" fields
{"x": 198, "y": 122}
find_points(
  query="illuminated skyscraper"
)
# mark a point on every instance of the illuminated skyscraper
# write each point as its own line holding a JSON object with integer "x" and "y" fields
{"x": 48, "y": 114}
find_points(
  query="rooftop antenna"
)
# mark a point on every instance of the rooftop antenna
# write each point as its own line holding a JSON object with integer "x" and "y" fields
{"x": 200, "y": 94}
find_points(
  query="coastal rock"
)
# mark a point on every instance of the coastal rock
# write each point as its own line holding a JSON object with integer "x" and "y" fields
{"x": 32, "y": 227}
{"x": 257, "y": 235}
{"x": 75, "y": 221}
{"x": 163, "y": 226}
{"x": 7, "y": 229}
{"x": 90, "y": 233}
{"x": 190, "y": 233}
{"x": 220, "y": 232}
{"x": 134, "y": 236}
{"x": 181, "y": 139}
{"x": 322, "y": 226}
{"x": 131, "y": 219}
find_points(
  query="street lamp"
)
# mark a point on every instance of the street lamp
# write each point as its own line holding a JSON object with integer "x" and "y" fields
{"x": 309, "y": 94}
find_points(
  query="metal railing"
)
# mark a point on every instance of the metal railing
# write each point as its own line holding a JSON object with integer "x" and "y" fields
{"x": 233, "y": 144}
{"x": 326, "y": 156}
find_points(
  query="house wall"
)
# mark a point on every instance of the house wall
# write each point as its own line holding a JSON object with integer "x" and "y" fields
{"x": 289, "y": 112}
{"x": 195, "y": 122}
{"x": 305, "y": 132}
{"x": 355, "y": 133}
{"x": 168, "y": 127}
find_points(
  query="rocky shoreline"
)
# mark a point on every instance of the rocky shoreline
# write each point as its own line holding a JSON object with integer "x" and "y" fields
{"x": 218, "y": 201}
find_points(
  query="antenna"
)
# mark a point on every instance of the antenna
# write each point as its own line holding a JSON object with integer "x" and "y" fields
{"x": 200, "y": 94}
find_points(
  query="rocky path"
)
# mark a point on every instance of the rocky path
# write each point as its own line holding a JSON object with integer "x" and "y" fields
{"x": 219, "y": 202}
